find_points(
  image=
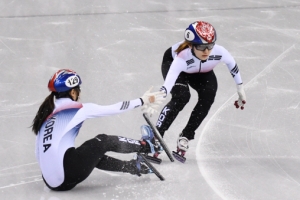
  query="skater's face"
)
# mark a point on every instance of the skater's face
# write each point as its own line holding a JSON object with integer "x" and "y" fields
{"x": 202, "y": 51}
{"x": 75, "y": 93}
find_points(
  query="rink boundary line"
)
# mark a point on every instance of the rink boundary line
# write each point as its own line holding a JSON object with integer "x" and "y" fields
{"x": 17, "y": 184}
{"x": 248, "y": 157}
{"x": 207, "y": 125}
{"x": 157, "y": 11}
{"x": 18, "y": 166}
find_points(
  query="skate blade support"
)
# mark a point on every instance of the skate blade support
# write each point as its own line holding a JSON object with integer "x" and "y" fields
{"x": 179, "y": 157}
{"x": 153, "y": 159}
{"x": 158, "y": 136}
{"x": 154, "y": 170}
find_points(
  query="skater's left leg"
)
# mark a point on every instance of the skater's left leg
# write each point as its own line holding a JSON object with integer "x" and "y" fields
{"x": 134, "y": 166}
{"x": 206, "y": 89}
{"x": 110, "y": 164}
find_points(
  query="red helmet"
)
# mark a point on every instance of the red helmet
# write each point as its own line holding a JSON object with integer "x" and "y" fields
{"x": 64, "y": 80}
{"x": 200, "y": 32}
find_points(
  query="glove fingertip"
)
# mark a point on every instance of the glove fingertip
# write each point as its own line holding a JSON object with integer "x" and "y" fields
{"x": 149, "y": 90}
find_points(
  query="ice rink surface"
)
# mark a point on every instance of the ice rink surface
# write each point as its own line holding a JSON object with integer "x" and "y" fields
{"x": 117, "y": 48}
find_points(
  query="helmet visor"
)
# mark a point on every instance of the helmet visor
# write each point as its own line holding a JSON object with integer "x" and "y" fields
{"x": 203, "y": 47}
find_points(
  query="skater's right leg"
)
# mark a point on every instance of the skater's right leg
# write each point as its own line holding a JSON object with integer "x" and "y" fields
{"x": 180, "y": 97}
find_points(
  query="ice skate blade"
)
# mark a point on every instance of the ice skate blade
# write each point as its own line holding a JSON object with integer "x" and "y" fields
{"x": 178, "y": 157}
{"x": 152, "y": 168}
{"x": 153, "y": 159}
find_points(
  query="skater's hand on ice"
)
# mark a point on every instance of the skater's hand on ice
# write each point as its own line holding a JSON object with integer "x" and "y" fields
{"x": 242, "y": 97}
{"x": 152, "y": 97}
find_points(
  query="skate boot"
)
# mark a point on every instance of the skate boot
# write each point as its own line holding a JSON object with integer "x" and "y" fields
{"x": 153, "y": 143}
{"x": 136, "y": 166}
{"x": 182, "y": 147}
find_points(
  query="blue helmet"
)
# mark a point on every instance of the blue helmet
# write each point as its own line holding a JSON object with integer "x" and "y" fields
{"x": 64, "y": 80}
{"x": 200, "y": 32}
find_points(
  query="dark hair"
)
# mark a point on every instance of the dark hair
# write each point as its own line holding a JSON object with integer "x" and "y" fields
{"x": 183, "y": 46}
{"x": 44, "y": 111}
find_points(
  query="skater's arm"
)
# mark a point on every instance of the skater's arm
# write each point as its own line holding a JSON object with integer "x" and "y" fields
{"x": 235, "y": 72}
{"x": 173, "y": 73}
{"x": 232, "y": 66}
{"x": 94, "y": 110}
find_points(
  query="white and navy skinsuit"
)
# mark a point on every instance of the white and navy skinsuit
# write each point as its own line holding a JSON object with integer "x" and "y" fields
{"x": 184, "y": 70}
{"x": 63, "y": 166}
